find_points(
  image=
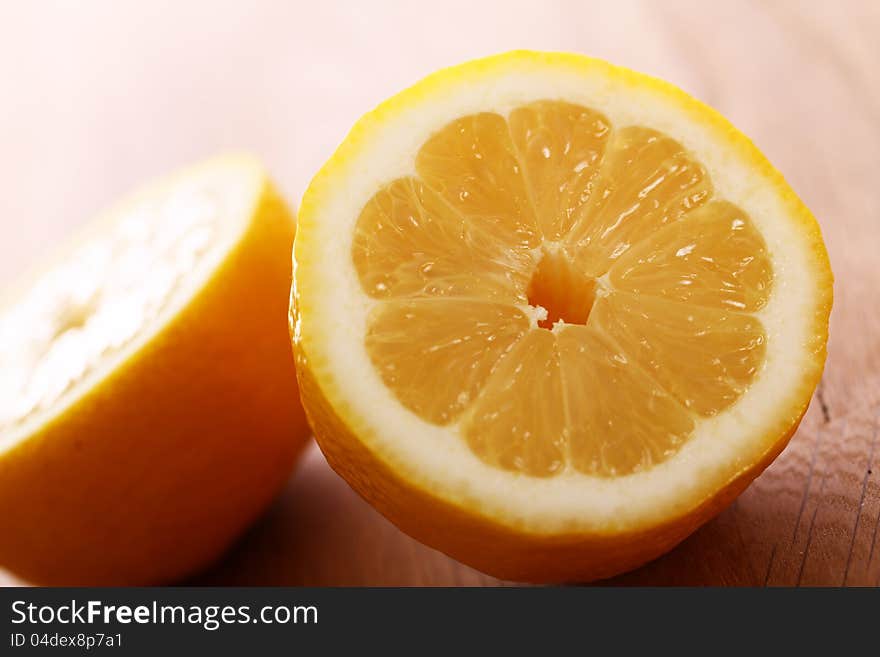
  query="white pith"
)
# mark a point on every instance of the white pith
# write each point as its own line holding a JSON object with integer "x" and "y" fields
{"x": 218, "y": 196}
{"x": 437, "y": 457}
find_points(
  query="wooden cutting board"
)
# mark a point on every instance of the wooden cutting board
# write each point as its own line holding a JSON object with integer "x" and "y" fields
{"x": 801, "y": 78}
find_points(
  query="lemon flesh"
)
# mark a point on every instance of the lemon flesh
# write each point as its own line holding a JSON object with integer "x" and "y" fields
{"x": 552, "y": 219}
{"x": 102, "y": 295}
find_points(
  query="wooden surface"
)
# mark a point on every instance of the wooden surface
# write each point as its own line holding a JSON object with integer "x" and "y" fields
{"x": 97, "y": 96}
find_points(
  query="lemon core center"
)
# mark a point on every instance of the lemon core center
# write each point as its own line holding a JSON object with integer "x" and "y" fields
{"x": 559, "y": 288}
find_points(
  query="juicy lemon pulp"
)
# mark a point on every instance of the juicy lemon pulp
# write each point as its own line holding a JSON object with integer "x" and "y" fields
{"x": 570, "y": 294}
{"x": 99, "y": 298}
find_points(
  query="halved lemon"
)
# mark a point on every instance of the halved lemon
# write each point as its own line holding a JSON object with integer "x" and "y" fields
{"x": 551, "y": 315}
{"x": 148, "y": 408}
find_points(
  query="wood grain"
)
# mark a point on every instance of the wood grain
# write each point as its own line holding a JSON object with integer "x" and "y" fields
{"x": 99, "y": 96}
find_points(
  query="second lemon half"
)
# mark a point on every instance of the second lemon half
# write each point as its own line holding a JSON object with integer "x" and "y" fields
{"x": 149, "y": 409}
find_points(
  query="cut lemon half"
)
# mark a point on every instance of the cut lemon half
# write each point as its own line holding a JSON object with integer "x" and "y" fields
{"x": 148, "y": 409}
{"x": 551, "y": 315}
